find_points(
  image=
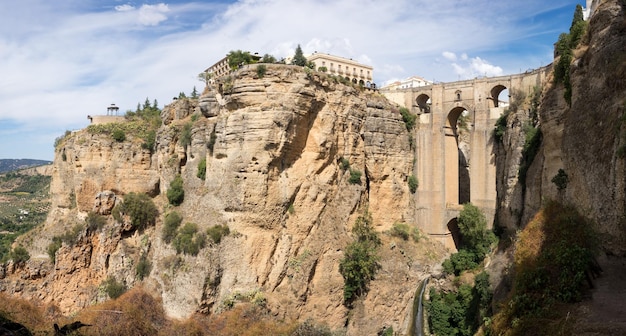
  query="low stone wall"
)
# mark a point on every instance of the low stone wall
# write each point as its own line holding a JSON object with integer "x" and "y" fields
{"x": 105, "y": 119}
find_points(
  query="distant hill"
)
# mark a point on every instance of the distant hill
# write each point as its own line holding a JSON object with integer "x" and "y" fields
{"x": 7, "y": 165}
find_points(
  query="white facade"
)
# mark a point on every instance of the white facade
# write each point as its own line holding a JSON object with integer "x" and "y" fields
{"x": 411, "y": 82}
{"x": 344, "y": 67}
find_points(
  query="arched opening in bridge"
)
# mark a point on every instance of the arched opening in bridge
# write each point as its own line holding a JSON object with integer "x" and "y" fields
{"x": 455, "y": 232}
{"x": 457, "y": 177}
{"x": 500, "y": 96}
{"x": 423, "y": 103}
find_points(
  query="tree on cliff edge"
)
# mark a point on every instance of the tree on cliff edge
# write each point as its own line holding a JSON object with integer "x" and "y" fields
{"x": 298, "y": 58}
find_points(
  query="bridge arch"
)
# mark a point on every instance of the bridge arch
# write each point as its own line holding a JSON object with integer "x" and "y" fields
{"x": 496, "y": 92}
{"x": 457, "y": 175}
{"x": 455, "y": 232}
{"x": 423, "y": 102}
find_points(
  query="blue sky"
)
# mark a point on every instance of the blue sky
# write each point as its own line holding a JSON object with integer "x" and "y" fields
{"x": 65, "y": 59}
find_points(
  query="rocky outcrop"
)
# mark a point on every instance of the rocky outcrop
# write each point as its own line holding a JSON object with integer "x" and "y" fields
{"x": 273, "y": 146}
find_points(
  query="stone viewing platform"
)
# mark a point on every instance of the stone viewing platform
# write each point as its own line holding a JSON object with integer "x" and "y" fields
{"x": 112, "y": 116}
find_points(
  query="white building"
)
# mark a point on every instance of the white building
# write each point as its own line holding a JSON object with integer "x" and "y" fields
{"x": 411, "y": 82}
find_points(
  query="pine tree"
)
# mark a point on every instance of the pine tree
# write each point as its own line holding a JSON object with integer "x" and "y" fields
{"x": 194, "y": 93}
{"x": 298, "y": 58}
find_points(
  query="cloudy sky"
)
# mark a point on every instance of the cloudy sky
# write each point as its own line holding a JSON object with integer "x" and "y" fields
{"x": 65, "y": 59}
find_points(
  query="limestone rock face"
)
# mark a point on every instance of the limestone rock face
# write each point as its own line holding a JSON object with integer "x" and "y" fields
{"x": 273, "y": 148}
{"x": 585, "y": 139}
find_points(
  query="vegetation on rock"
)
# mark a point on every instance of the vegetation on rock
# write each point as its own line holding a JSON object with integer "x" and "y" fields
{"x": 476, "y": 241}
{"x": 170, "y": 225}
{"x": 554, "y": 264}
{"x": 176, "y": 192}
{"x": 139, "y": 207}
{"x": 188, "y": 240}
{"x": 360, "y": 259}
{"x": 217, "y": 232}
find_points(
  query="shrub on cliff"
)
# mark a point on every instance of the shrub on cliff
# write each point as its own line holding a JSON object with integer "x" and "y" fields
{"x": 171, "y": 224}
{"x": 355, "y": 176}
{"x": 176, "y": 193}
{"x": 139, "y": 208}
{"x": 19, "y": 255}
{"x": 408, "y": 118}
{"x": 113, "y": 288}
{"x": 201, "y": 174}
{"x": 360, "y": 259}
{"x": 413, "y": 184}
{"x": 94, "y": 221}
{"x": 143, "y": 267}
{"x": 217, "y": 232}
{"x": 188, "y": 240}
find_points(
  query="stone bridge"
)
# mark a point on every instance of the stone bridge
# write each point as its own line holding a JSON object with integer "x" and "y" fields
{"x": 454, "y": 146}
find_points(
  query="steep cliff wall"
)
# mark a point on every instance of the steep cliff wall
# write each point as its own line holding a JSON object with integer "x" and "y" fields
{"x": 273, "y": 146}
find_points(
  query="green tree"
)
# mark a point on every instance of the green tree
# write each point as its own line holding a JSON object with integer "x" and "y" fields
{"x": 360, "y": 259}
{"x": 578, "y": 16}
{"x": 139, "y": 207}
{"x": 176, "y": 193}
{"x": 194, "y": 93}
{"x": 267, "y": 58}
{"x": 205, "y": 77}
{"x": 473, "y": 226}
{"x": 298, "y": 58}
{"x": 113, "y": 288}
{"x": 238, "y": 58}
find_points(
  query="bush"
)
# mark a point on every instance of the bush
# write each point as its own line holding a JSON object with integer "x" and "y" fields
{"x": 188, "y": 240}
{"x": 408, "y": 118}
{"x": 344, "y": 163}
{"x": 176, "y": 193}
{"x": 185, "y": 135}
{"x": 113, "y": 288}
{"x": 171, "y": 224}
{"x": 500, "y": 127}
{"x": 139, "y": 207}
{"x": 94, "y": 221}
{"x": 202, "y": 169}
{"x": 217, "y": 232}
{"x": 554, "y": 264}
{"x": 413, "y": 184}
{"x": 560, "y": 180}
{"x": 473, "y": 226}
{"x": 149, "y": 140}
{"x": 143, "y": 267}
{"x": 461, "y": 261}
{"x": 119, "y": 135}
{"x": 53, "y": 247}
{"x": 360, "y": 261}
{"x": 355, "y": 176}
{"x": 404, "y": 231}
{"x": 459, "y": 312}
{"x": 322, "y": 69}
{"x": 19, "y": 255}
{"x": 261, "y": 69}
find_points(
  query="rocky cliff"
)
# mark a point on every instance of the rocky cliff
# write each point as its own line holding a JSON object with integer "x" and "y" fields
{"x": 586, "y": 140}
{"x": 275, "y": 146}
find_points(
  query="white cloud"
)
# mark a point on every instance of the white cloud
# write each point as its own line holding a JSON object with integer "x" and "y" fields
{"x": 450, "y": 56}
{"x": 124, "y": 8}
{"x": 152, "y": 15}
{"x": 475, "y": 67}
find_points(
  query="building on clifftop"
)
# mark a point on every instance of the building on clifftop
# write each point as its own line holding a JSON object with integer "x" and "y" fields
{"x": 411, "y": 82}
{"x": 347, "y": 68}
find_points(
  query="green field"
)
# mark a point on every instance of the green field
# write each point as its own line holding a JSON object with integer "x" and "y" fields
{"x": 24, "y": 204}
